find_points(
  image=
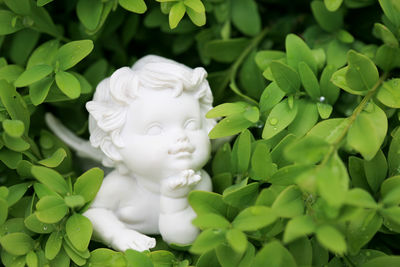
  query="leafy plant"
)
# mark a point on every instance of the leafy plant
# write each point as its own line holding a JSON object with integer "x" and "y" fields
{"x": 309, "y": 90}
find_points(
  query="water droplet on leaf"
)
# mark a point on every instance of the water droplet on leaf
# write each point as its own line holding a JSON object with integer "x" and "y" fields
{"x": 273, "y": 121}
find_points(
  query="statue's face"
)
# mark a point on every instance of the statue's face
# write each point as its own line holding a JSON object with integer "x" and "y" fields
{"x": 164, "y": 135}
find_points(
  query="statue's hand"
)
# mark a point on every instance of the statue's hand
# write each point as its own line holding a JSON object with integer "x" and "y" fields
{"x": 180, "y": 185}
{"x": 130, "y": 239}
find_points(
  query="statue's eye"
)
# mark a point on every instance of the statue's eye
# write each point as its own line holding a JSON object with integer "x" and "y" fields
{"x": 191, "y": 124}
{"x": 154, "y": 129}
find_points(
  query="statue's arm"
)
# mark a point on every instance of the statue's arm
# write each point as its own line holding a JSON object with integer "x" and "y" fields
{"x": 176, "y": 215}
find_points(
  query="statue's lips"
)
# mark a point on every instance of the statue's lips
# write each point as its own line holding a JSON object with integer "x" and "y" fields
{"x": 182, "y": 151}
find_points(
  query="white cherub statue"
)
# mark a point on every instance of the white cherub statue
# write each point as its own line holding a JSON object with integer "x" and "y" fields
{"x": 148, "y": 122}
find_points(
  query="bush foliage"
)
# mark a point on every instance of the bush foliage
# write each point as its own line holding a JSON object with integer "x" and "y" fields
{"x": 311, "y": 88}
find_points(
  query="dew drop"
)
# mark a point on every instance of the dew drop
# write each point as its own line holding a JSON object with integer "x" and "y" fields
{"x": 216, "y": 231}
{"x": 322, "y": 99}
{"x": 273, "y": 121}
{"x": 44, "y": 228}
{"x": 275, "y": 128}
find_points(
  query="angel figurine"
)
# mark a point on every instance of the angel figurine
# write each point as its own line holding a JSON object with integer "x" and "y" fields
{"x": 148, "y": 123}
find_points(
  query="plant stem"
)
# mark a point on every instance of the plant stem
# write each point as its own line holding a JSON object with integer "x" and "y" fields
{"x": 234, "y": 68}
{"x": 352, "y": 118}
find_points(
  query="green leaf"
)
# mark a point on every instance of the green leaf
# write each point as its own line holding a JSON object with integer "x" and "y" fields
{"x": 88, "y": 184}
{"x": 79, "y": 230}
{"x": 301, "y": 250}
{"x": 245, "y": 16}
{"x": 89, "y": 13}
{"x": 309, "y": 81}
{"x": 329, "y": 21}
{"x": 383, "y": 33}
{"x": 136, "y": 258}
{"x": 308, "y": 150}
{"x": 362, "y": 73}
{"x": 243, "y": 151}
{"x": 196, "y": 5}
{"x": 289, "y": 203}
{"x": 261, "y": 163}
{"x": 211, "y": 220}
{"x": 10, "y": 73}
{"x": 16, "y": 192}
{"x": 230, "y": 125}
{"x": 16, "y": 144}
{"x": 14, "y": 128}
{"x": 227, "y": 109}
{"x": 241, "y": 195}
{"x": 204, "y": 202}
{"x": 55, "y": 159}
{"x": 68, "y": 84}
{"x": 51, "y": 209}
{"x": 279, "y": 118}
{"x": 287, "y": 175}
{"x": 297, "y": 51}
{"x": 264, "y": 57}
{"x": 333, "y": 5}
{"x": 14, "y": 104}
{"x": 237, "y": 240}
{"x": 71, "y": 53}
{"x": 226, "y": 50}
{"x": 176, "y": 14}
{"x": 271, "y": 96}
{"x": 137, "y": 6}
{"x": 32, "y": 75}
{"x": 32, "y": 223}
{"x": 273, "y": 254}
{"x": 10, "y": 158}
{"x": 17, "y": 243}
{"x": 207, "y": 240}
{"x": 21, "y": 7}
{"x": 389, "y": 93}
{"x": 375, "y": 170}
{"x": 298, "y": 227}
{"x": 45, "y": 54}
{"x": 50, "y": 178}
{"x": 360, "y": 198}
{"x": 74, "y": 201}
{"x": 199, "y": 19}
{"x": 339, "y": 79}
{"x": 387, "y": 58}
{"x": 390, "y": 191}
{"x": 331, "y": 238}
{"x": 391, "y": 10}
{"x": 393, "y": 155}
{"x": 328, "y": 90}
{"x": 53, "y": 245}
{"x": 333, "y": 181}
{"x": 285, "y": 77}
{"x": 382, "y": 261}
{"x": 337, "y": 54}
{"x": 3, "y": 211}
{"x": 324, "y": 110}
{"x": 368, "y": 131}
{"x": 361, "y": 229}
{"x": 306, "y": 118}
{"x": 32, "y": 259}
{"x": 254, "y": 218}
{"x": 43, "y": 2}
{"x": 73, "y": 254}
{"x": 6, "y": 22}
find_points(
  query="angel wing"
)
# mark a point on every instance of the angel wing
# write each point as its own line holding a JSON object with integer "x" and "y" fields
{"x": 82, "y": 147}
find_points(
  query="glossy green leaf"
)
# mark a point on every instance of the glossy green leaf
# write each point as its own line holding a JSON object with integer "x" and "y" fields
{"x": 382, "y": 261}
{"x": 14, "y": 128}
{"x": 298, "y": 227}
{"x": 329, "y": 21}
{"x": 297, "y": 51}
{"x": 55, "y": 159}
{"x": 6, "y": 22}
{"x": 280, "y": 117}
{"x": 51, "y": 209}
{"x": 207, "y": 202}
{"x": 362, "y": 73}
{"x": 176, "y": 14}
{"x": 245, "y": 16}
{"x": 285, "y": 77}
{"x": 264, "y": 57}
{"x": 390, "y": 190}
{"x": 237, "y": 240}
{"x": 33, "y": 75}
{"x": 207, "y": 240}
{"x": 89, "y": 13}
{"x": 389, "y": 93}
{"x": 274, "y": 254}
{"x": 289, "y": 203}
{"x": 50, "y": 178}
{"x": 3, "y": 211}
{"x": 68, "y": 84}
{"x": 262, "y": 166}
{"x": 360, "y": 198}
{"x": 21, "y": 7}
{"x": 32, "y": 223}
{"x": 79, "y": 230}
{"x": 368, "y": 131}
{"x": 211, "y": 220}
{"x": 44, "y": 54}
{"x": 71, "y": 53}
{"x": 226, "y": 50}
{"x": 17, "y": 243}
{"x": 271, "y": 96}
{"x": 53, "y": 245}
{"x": 88, "y": 184}
{"x": 391, "y": 10}
{"x": 382, "y": 32}
{"x": 333, "y": 5}
{"x": 331, "y": 238}
{"x": 230, "y": 125}
{"x": 136, "y": 258}
{"x": 198, "y": 19}
{"x": 254, "y": 218}
{"x": 241, "y": 195}
{"x": 309, "y": 81}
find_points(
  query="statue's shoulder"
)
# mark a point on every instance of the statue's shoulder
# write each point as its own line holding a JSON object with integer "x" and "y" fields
{"x": 115, "y": 183}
